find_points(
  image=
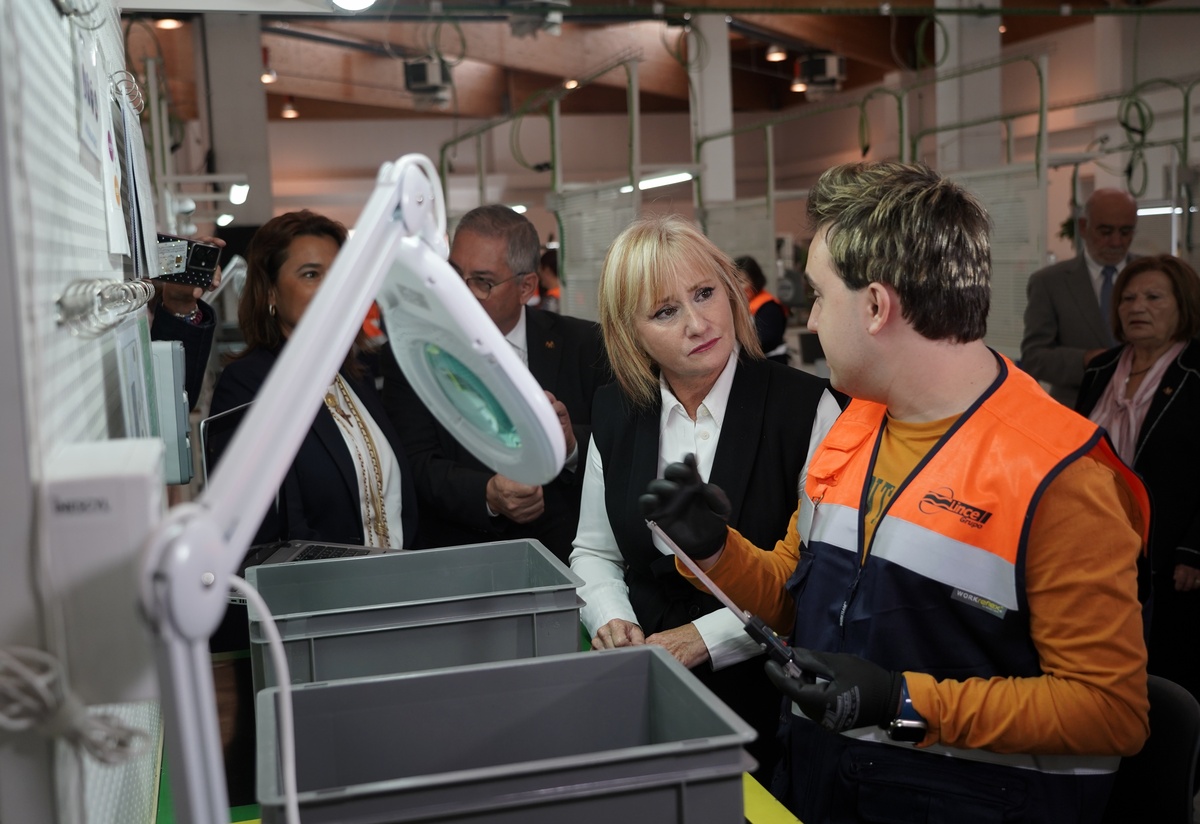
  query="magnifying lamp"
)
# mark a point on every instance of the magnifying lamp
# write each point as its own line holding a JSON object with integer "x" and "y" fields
{"x": 459, "y": 365}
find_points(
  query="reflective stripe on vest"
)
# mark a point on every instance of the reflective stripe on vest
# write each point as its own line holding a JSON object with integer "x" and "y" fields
{"x": 930, "y": 554}
{"x": 965, "y": 490}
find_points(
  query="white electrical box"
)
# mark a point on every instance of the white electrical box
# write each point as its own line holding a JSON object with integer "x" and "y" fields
{"x": 171, "y": 404}
{"x": 99, "y": 502}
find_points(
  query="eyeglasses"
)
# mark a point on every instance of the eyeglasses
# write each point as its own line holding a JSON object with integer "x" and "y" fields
{"x": 482, "y": 287}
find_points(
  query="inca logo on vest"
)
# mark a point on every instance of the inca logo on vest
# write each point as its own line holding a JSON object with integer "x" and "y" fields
{"x": 943, "y": 499}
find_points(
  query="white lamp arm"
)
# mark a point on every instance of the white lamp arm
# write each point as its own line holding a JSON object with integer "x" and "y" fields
{"x": 190, "y": 556}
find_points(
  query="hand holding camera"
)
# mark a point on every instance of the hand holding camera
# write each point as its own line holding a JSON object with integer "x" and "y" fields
{"x": 188, "y": 267}
{"x": 191, "y": 262}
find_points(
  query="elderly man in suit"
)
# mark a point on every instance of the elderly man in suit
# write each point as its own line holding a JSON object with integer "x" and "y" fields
{"x": 462, "y": 501}
{"x": 1067, "y": 312}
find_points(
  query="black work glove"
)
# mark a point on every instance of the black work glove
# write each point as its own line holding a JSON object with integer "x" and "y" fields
{"x": 856, "y": 694}
{"x": 692, "y": 512}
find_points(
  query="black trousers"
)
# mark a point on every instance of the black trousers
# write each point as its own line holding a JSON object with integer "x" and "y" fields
{"x": 825, "y": 777}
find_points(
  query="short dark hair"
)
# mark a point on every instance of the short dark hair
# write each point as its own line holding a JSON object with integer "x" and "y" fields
{"x": 753, "y": 272}
{"x": 1184, "y": 282}
{"x": 904, "y": 225}
{"x": 498, "y": 220}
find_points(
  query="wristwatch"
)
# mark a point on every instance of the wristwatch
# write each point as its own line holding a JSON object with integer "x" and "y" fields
{"x": 908, "y": 725}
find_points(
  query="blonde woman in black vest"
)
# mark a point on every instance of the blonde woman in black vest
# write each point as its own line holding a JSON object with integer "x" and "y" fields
{"x": 691, "y": 378}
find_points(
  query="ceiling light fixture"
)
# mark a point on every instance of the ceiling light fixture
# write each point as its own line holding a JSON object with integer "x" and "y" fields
{"x": 353, "y": 5}
{"x": 268, "y": 74}
{"x": 661, "y": 180}
{"x": 798, "y": 84}
{"x": 288, "y": 110}
{"x": 571, "y": 84}
{"x": 776, "y": 53}
{"x": 225, "y": 219}
{"x": 238, "y": 192}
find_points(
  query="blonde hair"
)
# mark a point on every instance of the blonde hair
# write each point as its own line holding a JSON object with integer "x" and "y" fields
{"x": 642, "y": 264}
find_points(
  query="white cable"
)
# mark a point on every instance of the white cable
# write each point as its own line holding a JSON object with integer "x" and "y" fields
{"x": 33, "y": 695}
{"x": 287, "y": 733}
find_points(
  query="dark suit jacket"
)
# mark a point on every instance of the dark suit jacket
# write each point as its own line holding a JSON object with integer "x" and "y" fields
{"x": 319, "y": 497}
{"x": 771, "y": 322}
{"x": 197, "y": 342}
{"x": 1168, "y": 449}
{"x": 758, "y": 463}
{"x": 1062, "y": 321}
{"x": 566, "y": 356}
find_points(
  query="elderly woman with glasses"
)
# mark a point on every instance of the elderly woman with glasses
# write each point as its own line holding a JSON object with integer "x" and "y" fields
{"x": 691, "y": 379}
{"x": 1146, "y": 394}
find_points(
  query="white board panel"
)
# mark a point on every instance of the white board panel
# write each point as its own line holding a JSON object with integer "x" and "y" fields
{"x": 57, "y": 388}
{"x": 1016, "y": 201}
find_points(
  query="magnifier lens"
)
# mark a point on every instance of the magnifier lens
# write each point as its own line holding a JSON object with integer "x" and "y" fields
{"x": 467, "y": 393}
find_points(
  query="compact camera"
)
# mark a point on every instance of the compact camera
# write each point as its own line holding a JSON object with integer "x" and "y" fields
{"x": 185, "y": 261}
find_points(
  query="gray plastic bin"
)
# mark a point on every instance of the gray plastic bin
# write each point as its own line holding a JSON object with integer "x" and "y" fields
{"x": 405, "y": 611}
{"x": 624, "y": 735}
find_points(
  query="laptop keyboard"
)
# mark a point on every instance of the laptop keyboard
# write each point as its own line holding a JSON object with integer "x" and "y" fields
{"x": 315, "y": 552}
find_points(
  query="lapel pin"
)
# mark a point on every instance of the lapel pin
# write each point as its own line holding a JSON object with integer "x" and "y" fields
{"x": 549, "y": 344}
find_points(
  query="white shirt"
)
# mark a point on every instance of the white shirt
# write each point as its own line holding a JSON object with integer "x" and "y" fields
{"x": 519, "y": 339}
{"x": 597, "y": 559}
{"x": 389, "y": 466}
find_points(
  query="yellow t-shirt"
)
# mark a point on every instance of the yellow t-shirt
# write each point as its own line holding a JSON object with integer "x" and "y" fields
{"x": 900, "y": 450}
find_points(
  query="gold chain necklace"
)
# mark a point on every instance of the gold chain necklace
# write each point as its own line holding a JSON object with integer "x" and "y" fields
{"x": 376, "y": 516}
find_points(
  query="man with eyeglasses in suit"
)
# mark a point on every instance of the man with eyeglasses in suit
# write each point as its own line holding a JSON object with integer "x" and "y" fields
{"x": 1067, "y": 314}
{"x": 497, "y": 251}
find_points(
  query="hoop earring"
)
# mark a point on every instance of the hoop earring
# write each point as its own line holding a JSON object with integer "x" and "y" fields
{"x": 271, "y": 310}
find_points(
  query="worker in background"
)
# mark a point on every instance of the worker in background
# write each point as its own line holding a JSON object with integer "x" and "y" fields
{"x": 959, "y": 580}
{"x": 549, "y": 284}
{"x": 770, "y": 316}
{"x": 1068, "y": 304}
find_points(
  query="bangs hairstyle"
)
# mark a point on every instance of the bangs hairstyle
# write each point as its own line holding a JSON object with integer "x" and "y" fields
{"x": 265, "y": 256}
{"x": 641, "y": 266}
{"x": 1185, "y": 283}
{"x": 905, "y": 226}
